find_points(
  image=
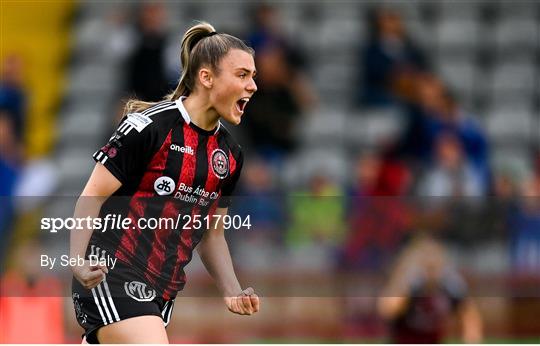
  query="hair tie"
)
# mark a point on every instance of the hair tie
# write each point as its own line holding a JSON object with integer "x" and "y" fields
{"x": 201, "y": 38}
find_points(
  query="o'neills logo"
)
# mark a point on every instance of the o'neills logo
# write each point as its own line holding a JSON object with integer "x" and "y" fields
{"x": 139, "y": 291}
{"x": 184, "y": 150}
{"x": 220, "y": 163}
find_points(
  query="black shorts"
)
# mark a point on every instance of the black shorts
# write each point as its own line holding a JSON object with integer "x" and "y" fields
{"x": 123, "y": 294}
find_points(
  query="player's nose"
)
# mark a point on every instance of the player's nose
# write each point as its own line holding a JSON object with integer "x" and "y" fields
{"x": 251, "y": 86}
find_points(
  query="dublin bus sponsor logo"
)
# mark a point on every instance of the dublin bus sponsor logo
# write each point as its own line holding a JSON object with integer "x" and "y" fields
{"x": 164, "y": 186}
{"x": 139, "y": 291}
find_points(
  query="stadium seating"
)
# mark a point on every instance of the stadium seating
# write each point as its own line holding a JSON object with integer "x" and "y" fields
{"x": 506, "y": 75}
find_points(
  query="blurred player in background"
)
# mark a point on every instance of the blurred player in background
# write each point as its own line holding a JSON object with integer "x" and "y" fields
{"x": 12, "y": 124}
{"x": 162, "y": 153}
{"x": 285, "y": 93}
{"x": 145, "y": 67}
{"x": 423, "y": 293}
{"x": 390, "y": 60}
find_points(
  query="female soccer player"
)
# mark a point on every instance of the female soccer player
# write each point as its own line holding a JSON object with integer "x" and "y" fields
{"x": 165, "y": 159}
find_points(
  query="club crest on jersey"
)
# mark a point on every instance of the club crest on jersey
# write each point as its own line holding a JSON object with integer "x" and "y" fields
{"x": 164, "y": 186}
{"x": 220, "y": 163}
{"x": 139, "y": 291}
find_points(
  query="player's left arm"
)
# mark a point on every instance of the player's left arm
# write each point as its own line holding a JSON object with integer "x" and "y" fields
{"x": 215, "y": 255}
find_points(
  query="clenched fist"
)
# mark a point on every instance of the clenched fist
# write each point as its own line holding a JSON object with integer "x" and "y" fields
{"x": 246, "y": 303}
{"x": 89, "y": 276}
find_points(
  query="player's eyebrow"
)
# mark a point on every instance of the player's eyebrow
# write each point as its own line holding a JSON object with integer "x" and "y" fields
{"x": 247, "y": 70}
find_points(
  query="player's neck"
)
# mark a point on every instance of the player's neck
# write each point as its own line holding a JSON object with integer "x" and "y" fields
{"x": 200, "y": 111}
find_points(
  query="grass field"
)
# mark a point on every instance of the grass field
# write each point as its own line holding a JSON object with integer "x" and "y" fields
{"x": 381, "y": 341}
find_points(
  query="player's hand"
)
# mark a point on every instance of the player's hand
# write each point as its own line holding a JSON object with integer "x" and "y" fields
{"x": 246, "y": 303}
{"x": 89, "y": 276}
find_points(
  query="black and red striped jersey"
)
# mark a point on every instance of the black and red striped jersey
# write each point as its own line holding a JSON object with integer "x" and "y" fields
{"x": 429, "y": 307}
{"x": 168, "y": 167}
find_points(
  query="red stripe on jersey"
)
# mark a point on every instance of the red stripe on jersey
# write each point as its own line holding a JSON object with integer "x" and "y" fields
{"x": 183, "y": 249}
{"x": 157, "y": 254}
{"x": 129, "y": 239}
{"x": 232, "y": 162}
{"x": 137, "y": 205}
{"x": 191, "y": 139}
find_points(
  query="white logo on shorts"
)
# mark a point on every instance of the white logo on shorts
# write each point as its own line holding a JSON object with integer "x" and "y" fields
{"x": 139, "y": 291}
{"x": 164, "y": 186}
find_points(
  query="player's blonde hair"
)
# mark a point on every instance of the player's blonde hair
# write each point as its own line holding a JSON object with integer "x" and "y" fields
{"x": 201, "y": 46}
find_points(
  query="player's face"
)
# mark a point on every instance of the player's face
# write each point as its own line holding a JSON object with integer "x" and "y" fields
{"x": 234, "y": 85}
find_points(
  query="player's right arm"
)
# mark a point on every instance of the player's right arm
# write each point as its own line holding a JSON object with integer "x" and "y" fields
{"x": 125, "y": 156}
{"x": 99, "y": 187}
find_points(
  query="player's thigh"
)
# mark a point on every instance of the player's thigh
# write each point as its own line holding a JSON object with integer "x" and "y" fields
{"x": 146, "y": 329}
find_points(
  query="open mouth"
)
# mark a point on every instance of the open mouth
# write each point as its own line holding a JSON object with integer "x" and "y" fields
{"x": 241, "y": 104}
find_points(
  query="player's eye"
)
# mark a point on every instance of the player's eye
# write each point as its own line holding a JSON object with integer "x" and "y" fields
{"x": 243, "y": 75}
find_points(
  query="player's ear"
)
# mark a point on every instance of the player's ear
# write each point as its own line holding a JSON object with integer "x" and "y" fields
{"x": 206, "y": 77}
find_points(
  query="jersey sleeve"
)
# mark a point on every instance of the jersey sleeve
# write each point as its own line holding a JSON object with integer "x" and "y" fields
{"x": 128, "y": 151}
{"x": 228, "y": 188}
